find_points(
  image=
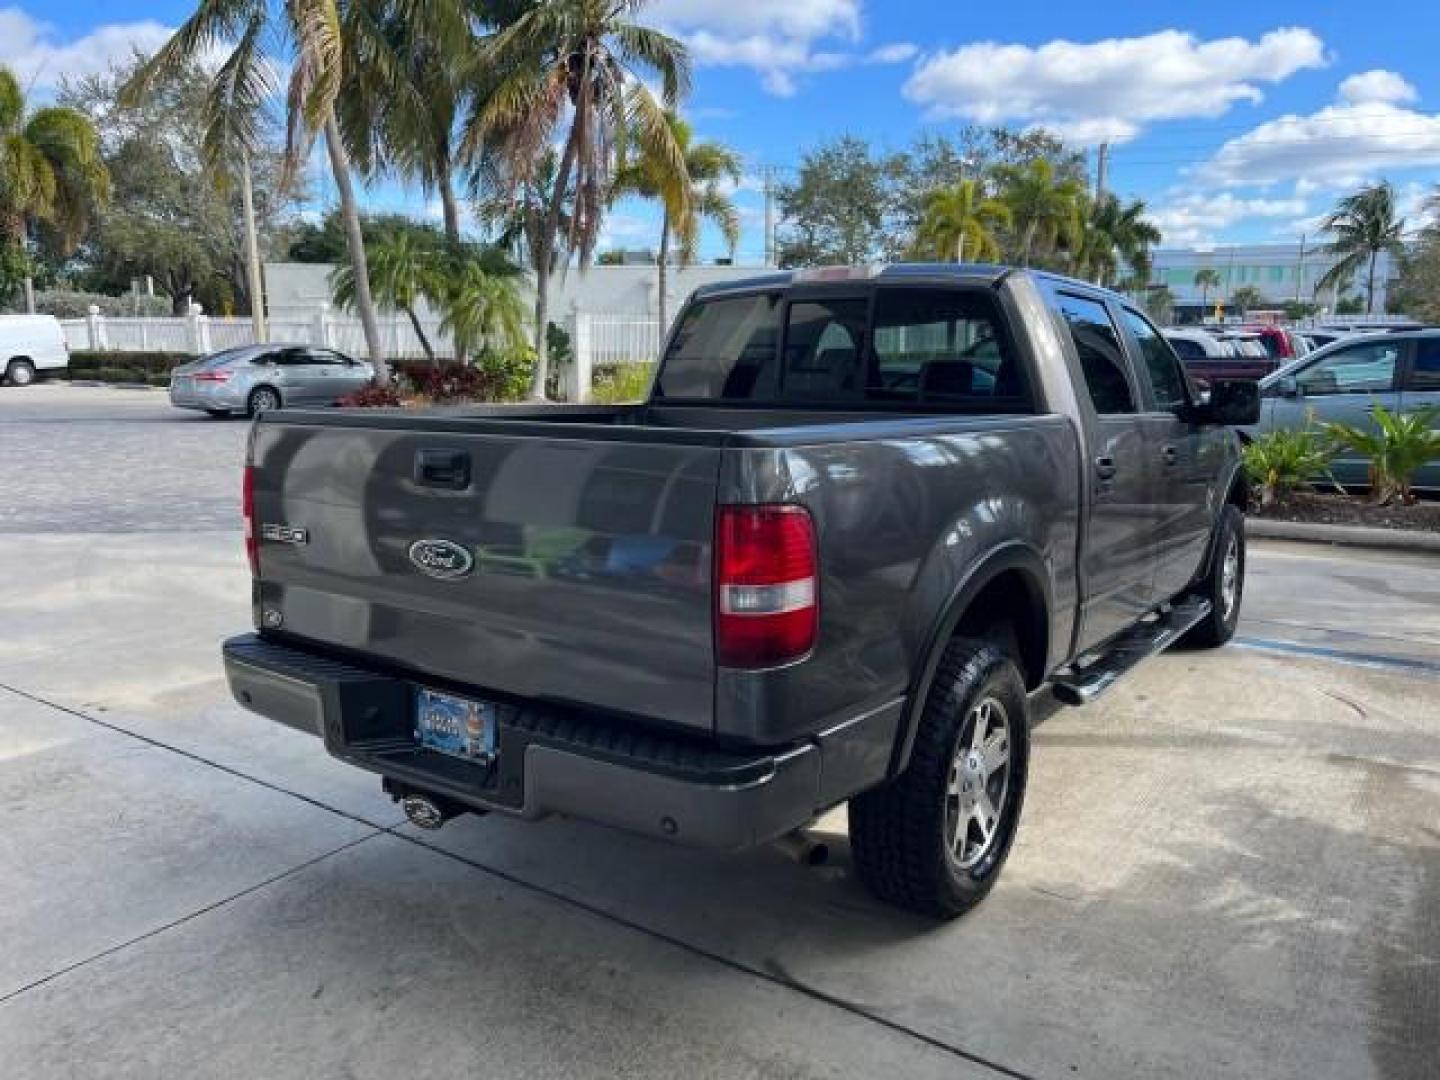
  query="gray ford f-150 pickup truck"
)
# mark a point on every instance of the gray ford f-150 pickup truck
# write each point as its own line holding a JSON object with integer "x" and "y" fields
{"x": 862, "y": 515}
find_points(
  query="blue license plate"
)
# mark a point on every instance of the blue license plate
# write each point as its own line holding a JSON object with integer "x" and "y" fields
{"x": 455, "y": 725}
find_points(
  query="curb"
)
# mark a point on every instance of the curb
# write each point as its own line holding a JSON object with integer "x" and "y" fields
{"x": 1348, "y": 535}
{"x": 112, "y": 385}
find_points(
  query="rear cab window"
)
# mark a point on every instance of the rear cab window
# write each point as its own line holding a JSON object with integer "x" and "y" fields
{"x": 944, "y": 347}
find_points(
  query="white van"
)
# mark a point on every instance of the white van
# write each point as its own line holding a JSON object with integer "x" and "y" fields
{"x": 31, "y": 346}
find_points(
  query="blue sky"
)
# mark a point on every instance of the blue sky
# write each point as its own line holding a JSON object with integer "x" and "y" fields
{"x": 1237, "y": 122}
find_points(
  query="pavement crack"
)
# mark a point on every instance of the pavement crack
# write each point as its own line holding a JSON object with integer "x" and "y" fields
{"x": 189, "y": 916}
{"x": 779, "y": 978}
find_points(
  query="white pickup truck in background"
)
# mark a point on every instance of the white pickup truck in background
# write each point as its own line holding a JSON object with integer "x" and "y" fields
{"x": 31, "y": 347}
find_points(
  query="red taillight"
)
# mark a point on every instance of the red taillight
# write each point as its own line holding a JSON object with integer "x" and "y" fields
{"x": 767, "y": 603}
{"x": 247, "y": 509}
{"x": 211, "y": 376}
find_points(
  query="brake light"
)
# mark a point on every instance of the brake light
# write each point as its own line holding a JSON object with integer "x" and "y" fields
{"x": 247, "y": 509}
{"x": 212, "y": 376}
{"x": 767, "y": 603}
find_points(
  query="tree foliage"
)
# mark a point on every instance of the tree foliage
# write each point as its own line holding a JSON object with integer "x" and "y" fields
{"x": 1363, "y": 225}
{"x": 173, "y": 215}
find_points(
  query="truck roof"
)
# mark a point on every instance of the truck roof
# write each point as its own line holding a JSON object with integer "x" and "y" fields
{"x": 975, "y": 273}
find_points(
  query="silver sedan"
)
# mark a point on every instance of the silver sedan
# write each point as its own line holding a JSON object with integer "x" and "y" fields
{"x": 259, "y": 378}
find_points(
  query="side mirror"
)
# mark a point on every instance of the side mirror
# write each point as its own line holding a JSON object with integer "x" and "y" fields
{"x": 1233, "y": 402}
{"x": 1288, "y": 387}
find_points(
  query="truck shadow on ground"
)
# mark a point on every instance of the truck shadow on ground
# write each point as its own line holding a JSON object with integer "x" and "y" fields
{"x": 1284, "y": 941}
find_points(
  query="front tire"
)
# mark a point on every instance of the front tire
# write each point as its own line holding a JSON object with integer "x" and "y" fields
{"x": 1223, "y": 584}
{"x": 935, "y": 837}
{"x": 20, "y": 373}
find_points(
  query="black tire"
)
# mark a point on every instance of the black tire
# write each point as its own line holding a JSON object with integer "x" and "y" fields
{"x": 263, "y": 399}
{"x": 20, "y": 373}
{"x": 1219, "y": 626}
{"x": 900, "y": 832}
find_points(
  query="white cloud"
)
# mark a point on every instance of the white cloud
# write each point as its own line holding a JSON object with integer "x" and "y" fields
{"x": 1192, "y": 218}
{"x": 777, "y": 39}
{"x": 1377, "y": 85}
{"x": 895, "y": 53}
{"x": 1337, "y": 146}
{"x": 36, "y": 53}
{"x": 1110, "y": 88}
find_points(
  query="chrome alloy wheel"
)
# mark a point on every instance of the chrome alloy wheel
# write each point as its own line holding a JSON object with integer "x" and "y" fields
{"x": 1230, "y": 577}
{"x": 979, "y": 783}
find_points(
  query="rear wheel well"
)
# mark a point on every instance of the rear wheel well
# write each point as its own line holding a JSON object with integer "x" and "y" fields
{"x": 1009, "y": 611}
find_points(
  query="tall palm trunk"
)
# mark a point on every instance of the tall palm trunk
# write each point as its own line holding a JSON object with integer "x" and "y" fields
{"x": 1028, "y": 242}
{"x": 252, "y": 250}
{"x": 1370, "y": 285}
{"x": 451, "y": 211}
{"x": 960, "y": 245}
{"x": 543, "y": 252}
{"x": 355, "y": 242}
{"x": 663, "y": 271}
{"x": 420, "y": 333}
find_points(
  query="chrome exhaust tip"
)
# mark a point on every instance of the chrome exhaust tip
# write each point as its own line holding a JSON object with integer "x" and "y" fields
{"x": 423, "y": 812}
{"x": 803, "y": 848}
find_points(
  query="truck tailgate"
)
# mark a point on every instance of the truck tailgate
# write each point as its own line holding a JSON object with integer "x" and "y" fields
{"x": 560, "y": 567}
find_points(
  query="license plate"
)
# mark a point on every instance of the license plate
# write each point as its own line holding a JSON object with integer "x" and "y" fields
{"x": 455, "y": 725}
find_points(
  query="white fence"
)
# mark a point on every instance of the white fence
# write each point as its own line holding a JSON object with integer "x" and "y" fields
{"x": 198, "y": 334}
{"x": 597, "y": 340}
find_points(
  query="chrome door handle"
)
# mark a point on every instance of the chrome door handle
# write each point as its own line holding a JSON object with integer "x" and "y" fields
{"x": 1105, "y": 467}
{"x": 1169, "y": 455}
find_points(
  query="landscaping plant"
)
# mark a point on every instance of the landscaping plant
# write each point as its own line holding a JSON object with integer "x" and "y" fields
{"x": 1399, "y": 445}
{"x": 1281, "y": 463}
{"x": 622, "y": 383}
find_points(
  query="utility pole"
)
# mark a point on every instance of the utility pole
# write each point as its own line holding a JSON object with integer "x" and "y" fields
{"x": 1300, "y": 271}
{"x": 768, "y": 173}
{"x": 1102, "y": 169}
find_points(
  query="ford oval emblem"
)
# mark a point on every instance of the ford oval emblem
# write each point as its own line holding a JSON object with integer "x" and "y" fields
{"x": 442, "y": 559}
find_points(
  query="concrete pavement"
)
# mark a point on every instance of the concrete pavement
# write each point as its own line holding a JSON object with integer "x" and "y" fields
{"x": 1228, "y": 866}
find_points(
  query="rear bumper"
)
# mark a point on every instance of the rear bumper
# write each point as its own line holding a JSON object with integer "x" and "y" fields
{"x": 550, "y": 761}
{"x": 206, "y": 396}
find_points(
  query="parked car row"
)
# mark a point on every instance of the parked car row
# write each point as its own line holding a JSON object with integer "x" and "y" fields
{"x": 1344, "y": 382}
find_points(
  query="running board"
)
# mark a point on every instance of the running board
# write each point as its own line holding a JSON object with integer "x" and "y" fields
{"x": 1079, "y": 686}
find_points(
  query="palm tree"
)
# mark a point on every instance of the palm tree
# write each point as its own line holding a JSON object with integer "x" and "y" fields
{"x": 403, "y": 116}
{"x": 958, "y": 220}
{"x": 1246, "y": 298}
{"x": 483, "y": 307}
{"x": 1364, "y": 225}
{"x": 51, "y": 171}
{"x": 1118, "y": 231}
{"x": 686, "y": 201}
{"x": 1207, "y": 278}
{"x": 1043, "y": 208}
{"x": 576, "y": 64}
{"x": 327, "y": 36}
{"x": 403, "y": 271}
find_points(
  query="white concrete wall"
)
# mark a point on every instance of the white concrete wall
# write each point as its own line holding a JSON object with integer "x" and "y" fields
{"x": 293, "y": 291}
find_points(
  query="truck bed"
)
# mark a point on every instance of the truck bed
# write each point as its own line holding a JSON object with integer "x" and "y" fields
{"x": 591, "y": 532}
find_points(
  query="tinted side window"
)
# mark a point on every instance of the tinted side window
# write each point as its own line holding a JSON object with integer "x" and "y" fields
{"x": 938, "y": 346}
{"x": 1188, "y": 350}
{"x": 1357, "y": 369}
{"x": 1165, "y": 377}
{"x": 1425, "y": 375}
{"x": 724, "y": 350}
{"x": 1101, "y": 358}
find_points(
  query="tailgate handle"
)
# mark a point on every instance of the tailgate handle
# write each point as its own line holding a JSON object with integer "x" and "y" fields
{"x": 442, "y": 468}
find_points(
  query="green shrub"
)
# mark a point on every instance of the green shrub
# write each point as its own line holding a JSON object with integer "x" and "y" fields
{"x": 622, "y": 383}
{"x": 116, "y": 375}
{"x": 1400, "y": 444}
{"x": 84, "y": 364}
{"x": 1280, "y": 463}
